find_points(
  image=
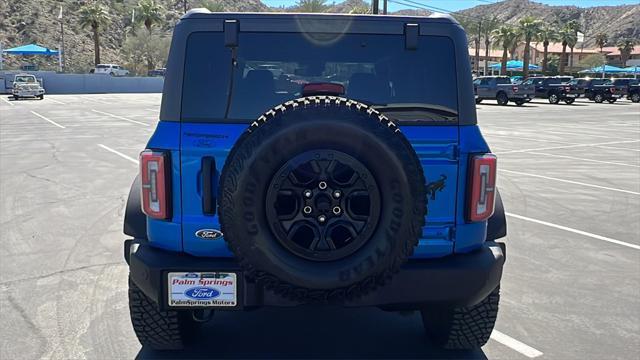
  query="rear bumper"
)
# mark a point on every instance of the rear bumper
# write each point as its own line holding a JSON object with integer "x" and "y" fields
{"x": 521, "y": 96}
{"x": 460, "y": 280}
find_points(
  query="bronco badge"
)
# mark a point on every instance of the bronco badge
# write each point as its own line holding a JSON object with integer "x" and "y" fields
{"x": 209, "y": 234}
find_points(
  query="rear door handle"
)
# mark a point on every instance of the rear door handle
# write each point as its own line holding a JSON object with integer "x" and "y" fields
{"x": 208, "y": 178}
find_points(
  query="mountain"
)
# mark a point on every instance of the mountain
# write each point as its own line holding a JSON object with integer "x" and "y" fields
{"x": 618, "y": 22}
{"x": 27, "y": 21}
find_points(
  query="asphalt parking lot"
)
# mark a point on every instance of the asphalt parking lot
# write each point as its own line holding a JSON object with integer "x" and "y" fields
{"x": 569, "y": 176}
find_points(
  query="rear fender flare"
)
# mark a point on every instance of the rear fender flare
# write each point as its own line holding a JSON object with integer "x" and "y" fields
{"x": 497, "y": 223}
{"x": 135, "y": 221}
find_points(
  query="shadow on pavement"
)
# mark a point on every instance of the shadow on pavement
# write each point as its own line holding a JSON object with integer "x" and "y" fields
{"x": 312, "y": 332}
{"x": 509, "y": 105}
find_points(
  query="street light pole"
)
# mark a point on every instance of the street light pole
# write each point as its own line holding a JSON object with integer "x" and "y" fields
{"x": 61, "y": 50}
{"x": 384, "y": 7}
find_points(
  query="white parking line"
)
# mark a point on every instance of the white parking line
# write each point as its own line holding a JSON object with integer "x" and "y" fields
{"x": 119, "y": 117}
{"x": 56, "y": 101}
{"x": 154, "y": 110}
{"x": 582, "y": 159}
{"x": 514, "y": 344}
{"x": 575, "y": 231}
{"x": 489, "y": 134}
{"x": 545, "y": 130}
{"x": 570, "y": 182}
{"x": 51, "y": 121}
{"x": 618, "y": 148}
{"x": 119, "y": 153}
{"x": 7, "y": 101}
{"x": 570, "y": 146}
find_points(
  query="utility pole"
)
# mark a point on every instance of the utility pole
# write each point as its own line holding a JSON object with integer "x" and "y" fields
{"x": 184, "y": 6}
{"x": 384, "y": 7}
{"x": 376, "y": 6}
{"x": 61, "y": 50}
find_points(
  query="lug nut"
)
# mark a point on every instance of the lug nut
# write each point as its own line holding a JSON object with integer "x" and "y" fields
{"x": 308, "y": 193}
{"x": 322, "y": 185}
{"x": 337, "y": 194}
{"x": 307, "y": 210}
{"x": 322, "y": 218}
{"x": 336, "y": 210}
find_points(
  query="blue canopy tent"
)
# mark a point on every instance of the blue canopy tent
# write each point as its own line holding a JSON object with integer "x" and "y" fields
{"x": 514, "y": 65}
{"x": 635, "y": 70}
{"x": 604, "y": 69}
{"x": 31, "y": 49}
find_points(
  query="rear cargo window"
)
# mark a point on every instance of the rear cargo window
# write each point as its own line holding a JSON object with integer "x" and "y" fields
{"x": 271, "y": 68}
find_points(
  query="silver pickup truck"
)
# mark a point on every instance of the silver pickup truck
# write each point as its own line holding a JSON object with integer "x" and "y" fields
{"x": 26, "y": 85}
{"x": 502, "y": 90}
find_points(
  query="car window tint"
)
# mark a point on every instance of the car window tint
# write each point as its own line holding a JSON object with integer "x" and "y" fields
{"x": 206, "y": 77}
{"x": 371, "y": 68}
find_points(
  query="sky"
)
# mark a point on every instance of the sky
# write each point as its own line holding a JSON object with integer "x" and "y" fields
{"x": 454, "y": 5}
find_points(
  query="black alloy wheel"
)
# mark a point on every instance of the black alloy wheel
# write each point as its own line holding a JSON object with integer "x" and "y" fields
{"x": 323, "y": 205}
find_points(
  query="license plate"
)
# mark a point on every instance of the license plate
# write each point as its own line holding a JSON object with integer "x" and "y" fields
{"x": 571, "y": 95}
{"x": 210, "y": 289}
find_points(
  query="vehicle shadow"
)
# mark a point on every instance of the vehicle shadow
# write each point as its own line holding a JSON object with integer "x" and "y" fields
{"x": 510, "y": 105}
{"x": 312, "y": 332}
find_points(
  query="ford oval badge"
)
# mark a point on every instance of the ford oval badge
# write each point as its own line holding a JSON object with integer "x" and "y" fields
{"x": 209, "y": 234}
{"x": 202, "y": 293}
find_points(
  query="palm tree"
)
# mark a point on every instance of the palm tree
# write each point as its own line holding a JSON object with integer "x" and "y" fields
{"x": 529, "y": 27}
{"x": 487, "y": 27}
{"x": 515, "y": 43}
{"x": 567, "y": 36}
{"x": 574, "y": 27}
{"x": 149, "y": 12}
{"x": 601, "y": 40}
{"x": 625, "y": 46}
{"x": 95, "y": 16}
{"x": 546, "y": 34}
{"x": 311, "y": 6}
{"x": 475, "y": 31}
{"x": 505, "y": 35}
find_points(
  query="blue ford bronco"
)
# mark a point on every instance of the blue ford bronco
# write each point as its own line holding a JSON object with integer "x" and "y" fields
{"x": 316, "y": 159}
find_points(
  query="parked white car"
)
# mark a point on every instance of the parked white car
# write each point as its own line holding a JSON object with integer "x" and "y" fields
{"x": 26, "y": 86}
{"x": 111, "y": 69}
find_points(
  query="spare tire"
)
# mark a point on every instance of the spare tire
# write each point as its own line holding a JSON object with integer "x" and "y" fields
{"x": 322, "y": 199}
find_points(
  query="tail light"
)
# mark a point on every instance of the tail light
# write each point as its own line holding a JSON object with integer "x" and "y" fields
{"x": 481, "y": 187}
{"x": 155, "y": 176}
{"x": 514, "y": 88}
{"x": 568, "y": 88}
{"x": 612, "y": 90}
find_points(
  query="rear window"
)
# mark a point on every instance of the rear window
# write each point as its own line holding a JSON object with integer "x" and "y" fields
{"x": 372, "y": 69}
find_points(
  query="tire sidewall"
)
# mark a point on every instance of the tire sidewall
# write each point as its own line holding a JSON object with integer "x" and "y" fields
{"x": 270, "y": 147}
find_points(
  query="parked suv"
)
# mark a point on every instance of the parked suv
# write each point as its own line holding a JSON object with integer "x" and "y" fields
{"x": 360, "y": 180}
{"x": 502, "y": 90}
{"x": 111, "y": 69}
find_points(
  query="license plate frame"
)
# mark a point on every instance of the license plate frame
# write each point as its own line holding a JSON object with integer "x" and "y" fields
{"x": 206, "y": 289}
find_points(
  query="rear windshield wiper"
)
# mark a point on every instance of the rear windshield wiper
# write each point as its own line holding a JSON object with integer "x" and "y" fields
{"x": 418, "y": 111}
